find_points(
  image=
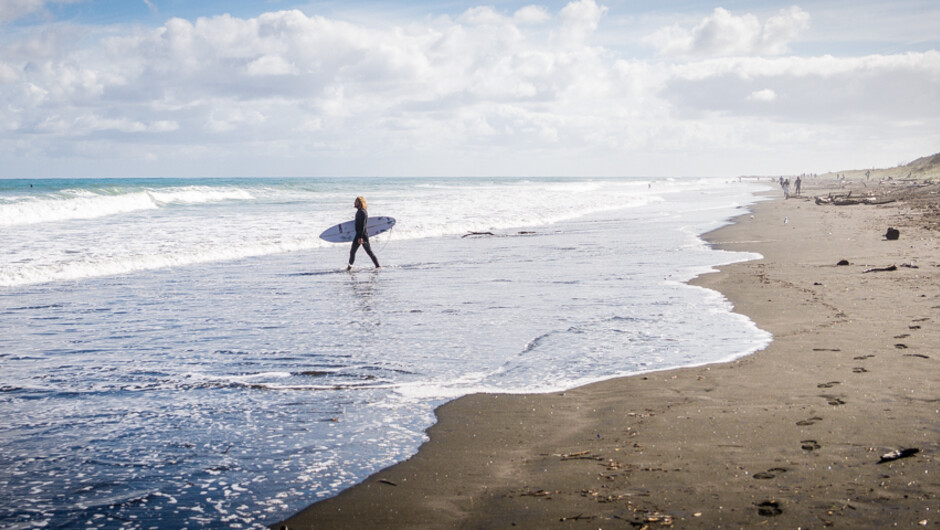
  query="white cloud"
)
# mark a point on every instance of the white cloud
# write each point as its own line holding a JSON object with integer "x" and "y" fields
{"x": 858, "y": 94}
{"x": 779, "y": 30}
{"x": 11, "y": 10}
{"x": 762, "y": 95}
{"x": 580, "y": 18}
{"x": 528, "y": 92}
{"x": 14, "y": 9}
{"x": 724, "y": 34}
{"x": 482, "y": 15}
{"x": 229, "y": 118}
{"x": 531, "y": 15}
{"x": 270, "y": 65}
{"x": 90, "y": 123}
{"x": 8, "y": 74}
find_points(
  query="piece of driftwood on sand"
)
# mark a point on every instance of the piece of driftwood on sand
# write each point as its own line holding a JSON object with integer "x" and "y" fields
{"x": 848, "y": 200}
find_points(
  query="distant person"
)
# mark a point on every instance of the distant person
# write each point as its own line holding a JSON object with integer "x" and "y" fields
{"x": 362, "y": 234}
{"x": 786, "y": 189}
{"x": 799, "y": 182}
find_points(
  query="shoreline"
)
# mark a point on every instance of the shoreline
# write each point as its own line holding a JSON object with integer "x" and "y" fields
{"x": 788, "y": 436}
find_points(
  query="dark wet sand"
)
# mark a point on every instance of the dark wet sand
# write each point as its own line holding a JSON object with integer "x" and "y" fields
{"x": 789, "y": 437}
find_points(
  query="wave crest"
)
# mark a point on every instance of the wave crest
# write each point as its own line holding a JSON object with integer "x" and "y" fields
{"x": 67, "y": 205}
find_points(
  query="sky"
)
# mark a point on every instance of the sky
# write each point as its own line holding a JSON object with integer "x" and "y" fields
{"x": 280, "y": 88}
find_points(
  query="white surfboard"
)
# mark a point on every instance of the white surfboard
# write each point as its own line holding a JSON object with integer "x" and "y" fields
{"x": 344, "y": 232}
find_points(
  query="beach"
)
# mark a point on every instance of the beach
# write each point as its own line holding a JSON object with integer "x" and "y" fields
{"x": 835, "y": 424}
{"x": 582, "y": 299}
{"x": 162, "y": 369}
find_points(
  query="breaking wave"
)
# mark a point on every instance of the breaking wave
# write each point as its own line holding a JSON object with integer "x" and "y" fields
{"x": 71, "y": 204}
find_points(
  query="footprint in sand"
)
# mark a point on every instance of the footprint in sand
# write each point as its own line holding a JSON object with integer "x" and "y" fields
{"x": 769, "y": 509}
{"x": 901, "y": 346}
{"x": 902, "y": 336}
{"x": 830, "y": 384}
{"x": 862, "y": 357}
{"x": 810, "y": 421}
{"x": 770, "y": 473}
{"x": 921, "y": 355}
{"x": 859, "y": 370}
{"x": 809, "y": 445}
{"x": 833, "y": 400}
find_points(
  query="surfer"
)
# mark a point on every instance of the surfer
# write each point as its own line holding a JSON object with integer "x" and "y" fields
{"x": 362, "y": 234}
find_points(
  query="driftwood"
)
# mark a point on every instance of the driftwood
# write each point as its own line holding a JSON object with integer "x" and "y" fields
{"x": 891, "y": 268}
{"x": 848, "y": 201}
{"x": 539, "y": 493}
{"x": 881, "y": 269}
{"x": 888, "y": 194}
{"x": 897, "y": 455}
{"x": 522, "y": 233}
{"x": 581, "y": 455}
{"x": 579, "y": 517}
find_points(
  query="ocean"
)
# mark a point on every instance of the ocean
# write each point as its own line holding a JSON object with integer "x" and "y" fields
{"x": 187, "y": 353}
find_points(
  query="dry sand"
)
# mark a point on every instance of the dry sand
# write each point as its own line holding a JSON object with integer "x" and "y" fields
{"x": 788, "y": 437}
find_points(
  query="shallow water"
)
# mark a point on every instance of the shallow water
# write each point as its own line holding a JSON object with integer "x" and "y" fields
{"x": 247, "y": 374}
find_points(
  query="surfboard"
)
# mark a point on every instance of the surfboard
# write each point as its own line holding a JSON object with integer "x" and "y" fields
{"x": 344, "y": 232}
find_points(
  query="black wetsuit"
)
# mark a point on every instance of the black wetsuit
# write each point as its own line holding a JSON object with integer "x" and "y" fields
{"x": 362, "y": 232}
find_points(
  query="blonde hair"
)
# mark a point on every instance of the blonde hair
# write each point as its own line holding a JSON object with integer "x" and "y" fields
{"x": 362, "y": 202}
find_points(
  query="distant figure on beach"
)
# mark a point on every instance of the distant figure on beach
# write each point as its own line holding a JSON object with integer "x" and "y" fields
{"x": 786, "y": 189}
{"x": 799, "y": 181}
{"x": 362, "y": 234}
